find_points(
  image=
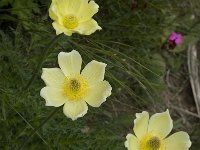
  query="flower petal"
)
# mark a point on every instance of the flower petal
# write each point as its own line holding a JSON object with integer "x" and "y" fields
{"x": 172, "y": 36}
{"x": 132, "y": 142}
{"x": 53, "y": 77}
{"x": 141, "y": 124}
{"x": 87, "y": 27}
{"x": 178, "y": 141}
{"x": 75, "y": 109}
{"x": 98, "y": 93}
{"x": 62, "y": 6}
{"x": 161, "y": 123}
{"x": 66, "y": 7}
{"x": 53, "y": 96}
{"x": 179, "y": 41}
{"x": 94, "y": 72}
{"x": 61, "y": 29}
{"x": 80, "y": 8}
{"x": 74, "y": 6}
{"x": 70, "y": 63}
{"x": 87, "y": 11}
{"x": 53, "y": 12}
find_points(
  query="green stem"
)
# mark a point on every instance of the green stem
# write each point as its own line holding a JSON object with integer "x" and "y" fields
{"x": 42, "y": 59}
{"x": 41, "y": 125}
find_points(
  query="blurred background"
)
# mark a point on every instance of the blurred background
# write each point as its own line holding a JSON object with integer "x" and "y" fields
{"x": 145, "y": 74}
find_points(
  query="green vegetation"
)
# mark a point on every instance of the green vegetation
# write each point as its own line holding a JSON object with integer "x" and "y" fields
{"x": 130, "y": 43}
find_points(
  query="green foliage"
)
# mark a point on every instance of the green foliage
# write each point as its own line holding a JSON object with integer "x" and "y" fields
{"x": 130, "y": 43}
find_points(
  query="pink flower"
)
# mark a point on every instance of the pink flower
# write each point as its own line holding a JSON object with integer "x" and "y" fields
{"x": 175, "y": 37}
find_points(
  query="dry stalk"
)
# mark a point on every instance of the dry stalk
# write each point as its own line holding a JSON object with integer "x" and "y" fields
{"x": 194, "y": 74}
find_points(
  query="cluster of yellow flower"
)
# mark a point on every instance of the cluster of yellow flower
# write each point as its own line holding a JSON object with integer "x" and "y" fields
{"x": 74, "y": 88}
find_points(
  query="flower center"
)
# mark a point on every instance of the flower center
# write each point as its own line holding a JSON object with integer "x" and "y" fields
{"x": 70, "y": 21}
{"x": 75, "y": 88}
{"x": 74, "y": 84}
{"x": 151, "y": 142}
{"x": 154, "y": 143}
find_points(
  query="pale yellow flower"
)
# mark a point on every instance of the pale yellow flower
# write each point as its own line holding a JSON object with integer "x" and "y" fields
{"x": 74, "y": 16}
{"x": 73, "y": 89}
{"x": 151, "y": 134}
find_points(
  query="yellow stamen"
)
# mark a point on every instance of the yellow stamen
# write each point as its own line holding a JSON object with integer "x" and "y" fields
{"x": 151, "y": 142}
{"x": 75, "y": 88}
{"x": 70, "y": 21}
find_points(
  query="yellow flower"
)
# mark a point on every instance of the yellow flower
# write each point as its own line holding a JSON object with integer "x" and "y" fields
{"x": 73, "y": 89}
{"x": 74, "y": 16}
{"x": 151, "y": 134}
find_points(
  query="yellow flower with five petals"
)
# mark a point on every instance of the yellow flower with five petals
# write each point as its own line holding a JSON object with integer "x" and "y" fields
{"x": 151, "y": 134}
{"x": 74, "y": 16}
{"x": 66, "y": 85}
